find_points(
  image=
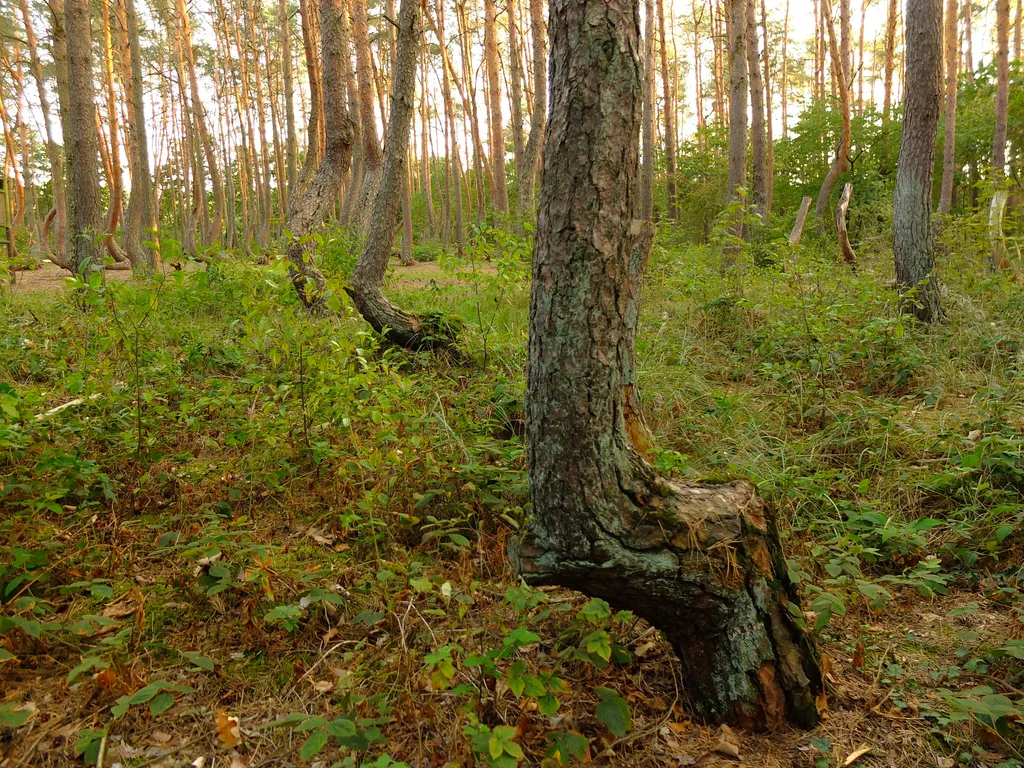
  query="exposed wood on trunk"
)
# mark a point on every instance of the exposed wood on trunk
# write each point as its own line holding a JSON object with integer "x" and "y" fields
{"x": 997, "y": 239}
{"x": 801, "y": 219}
{"x": 604, "y": 521}
{"x": 845, "y": 249}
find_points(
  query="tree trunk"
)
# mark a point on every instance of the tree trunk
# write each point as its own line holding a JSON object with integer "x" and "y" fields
{"x": 912, "y": 203}
{"x": 139, "y": 214}
{"x": 701, "y": 562}
{"x": 310, "y": 205}
{"x": 449, "y": 111}
{"x": 538, "y": 120}
{"x": 737, "y": 97}
{"x": 366, "y": 285}
{"x": 845, "y": 249}
{"x": 647, "y": 171}
{"x": 515, "y": 86}
{"x": 769, "y": 123}
{"x": 80, "y": 146}
{"x": 496, "y": 138}
{"x": 997, "y": 240}
{"x": 291, "y": 140}
{"x": 949, "y": 136}
{"x": 371, "y": 152}
{"x": 1002, "y": 88}
{"x": 841, "y": 76}
{"x": 425, "y": 165}
{"x": 672, "y": 207}
{"x": 890, "y": 57}
{"x": 758, "y": 139}
{"x": 969, "y": 38}
{"x": 798, "y": 225}
{"x": 53, "y": 152}
{"x": 1017, "y": 30}
{"x": 785, "y": 74}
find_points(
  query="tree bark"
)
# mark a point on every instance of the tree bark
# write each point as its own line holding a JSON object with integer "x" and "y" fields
{"x": 841, "y": 77}
{"x": 371, "y": 152}
{"x": 538, "y": 120}
{"x": 672, "y": 206}
{"x": 496, "y": 138}
{"x": 366, "y": 285}
{"x": 845, "y": 249}
{"x": 291, "y": 140}
{"x": 80, "y": 146}
{"x": 310, "y": 205}
{"x": 1002, "y": 88}
{"x": 798, "y": 225}
{"x": 758, "y": 138}
{"x": 949, "y": 134}
{"x": 737, "y": 97}
{"x": 699, "y": 561}
{"x": 912, "y": 203}
{"x": 890, "y": 57}
{"x": 516, "y": 87}
{"x": 785, "y": 74}
{"x": 647, "y": 170}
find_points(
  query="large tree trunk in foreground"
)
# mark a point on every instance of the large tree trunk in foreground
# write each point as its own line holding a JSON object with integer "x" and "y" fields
{"x": 309, "y": 205}
{"x": 949, "y": 135}
{"x": 366, "y": 285}
{"x": 81, "y": 148}
{"x": 699, "y": 561}
{"x": 912, "y": 203}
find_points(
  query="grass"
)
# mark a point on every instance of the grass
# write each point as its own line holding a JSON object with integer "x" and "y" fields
{"x": 311, "y": 530}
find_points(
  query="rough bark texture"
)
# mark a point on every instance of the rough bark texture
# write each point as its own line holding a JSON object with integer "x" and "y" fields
{"x": 291, "y": 140}
{"x": 758, "y": 137}
{"x": 366, "y": 285}
{"x": 696, "y": 560}
{"x": 912, "y": 205}
{"x": 949, "y": 133}
{"x": 310, "y": 205}
{"x": 496, "y": 136}
{"x": 1002, "y": 87}
{"x": 647, "y": 171}
{"x": 81, "y": 146}
{"x": 371, "y": 152}
{"x": 841, "y": 78}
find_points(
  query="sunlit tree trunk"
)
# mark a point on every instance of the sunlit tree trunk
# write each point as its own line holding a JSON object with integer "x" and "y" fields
{"x": 449, "y": 113}
{"x": 291, "y": 150}
{"x": 785, "y": 74}
{"x": 840, "y": 55}
{"x": 1002, "y": 88}
{"x": 890, "y": 57}
{"x": 371, "y": 152}
{"x": 646, "y": 210}
{"x": 949, "y": 135}
{"x": 515, "y": 86}
{"x": 672, "y": 207}
{"x": 425, "y": 160}
{"x": 737, "y": 102}
{"x": 499, "y": 190}
{"x": 698, "y": 561}
{"x": 912, "y": 204}
{"x": 538, "y": 118}
{"x": 758, "y": 137}
{"x": 969, "y": 39}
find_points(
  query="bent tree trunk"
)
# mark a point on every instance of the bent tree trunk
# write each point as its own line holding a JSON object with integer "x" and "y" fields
{"x": 366, "y": 286}
{"x": 699, "y": 561}
{"x": 310, "y": 205}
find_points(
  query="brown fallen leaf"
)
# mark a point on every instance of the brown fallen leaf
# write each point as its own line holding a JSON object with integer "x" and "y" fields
{"x": 118, "y": 610}
{"x": 856, "y": 755}
{"x": 228, "y": 730}
{"x": 728, "y": 743}
{"x": 160, "y": 737}
{"x": 323, "y": 686}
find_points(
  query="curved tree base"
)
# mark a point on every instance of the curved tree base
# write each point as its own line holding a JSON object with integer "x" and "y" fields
{"x": 434, "y": 332}
{"x": 310, "y": 283}
{"x": 702, "y": 563}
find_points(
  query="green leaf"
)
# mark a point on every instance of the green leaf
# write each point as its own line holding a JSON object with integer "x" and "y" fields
{"x": 161, "y": 703}
{"x": 310, "y": 723}
{"x": 613, "y": 712}
{"x": 311, "y": 746}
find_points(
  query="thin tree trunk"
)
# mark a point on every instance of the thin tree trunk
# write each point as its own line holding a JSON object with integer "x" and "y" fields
{"x": 737, "y": 104}
{"x": 366, "y": 285}
{"x": 969, "y": 37}
{"x": 912, "y": 203}
{"x": 841, "y": 75}
{"x": 1002, "y": 88}
{"x": 425, "y": 165}
{"x": 890, "y": 57}
{"x": 758, "y": 138}
{"x": 672, "y": 207}
{"x": 515, "y": 76}
{"x": 310, "y": 205}
{"x": 845, "y": 248}
{"x": 1017, "y": 30}
{"x": 291, "y": 149}
{"x": 538, "y": 120}
{"x": 697, "y": 561}
{"x": 646, "y": 211}
{"x": 371, "y": 152}
{"x": 769, "y": 111}
{"x": 801, "y": 219}
{"x": 949, "y": 136}
{"x": 785, "y": 74}
{"x": 496, "y": 139}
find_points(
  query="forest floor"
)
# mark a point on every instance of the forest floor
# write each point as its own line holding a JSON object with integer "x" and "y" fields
{"x": 255, "y": 539}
